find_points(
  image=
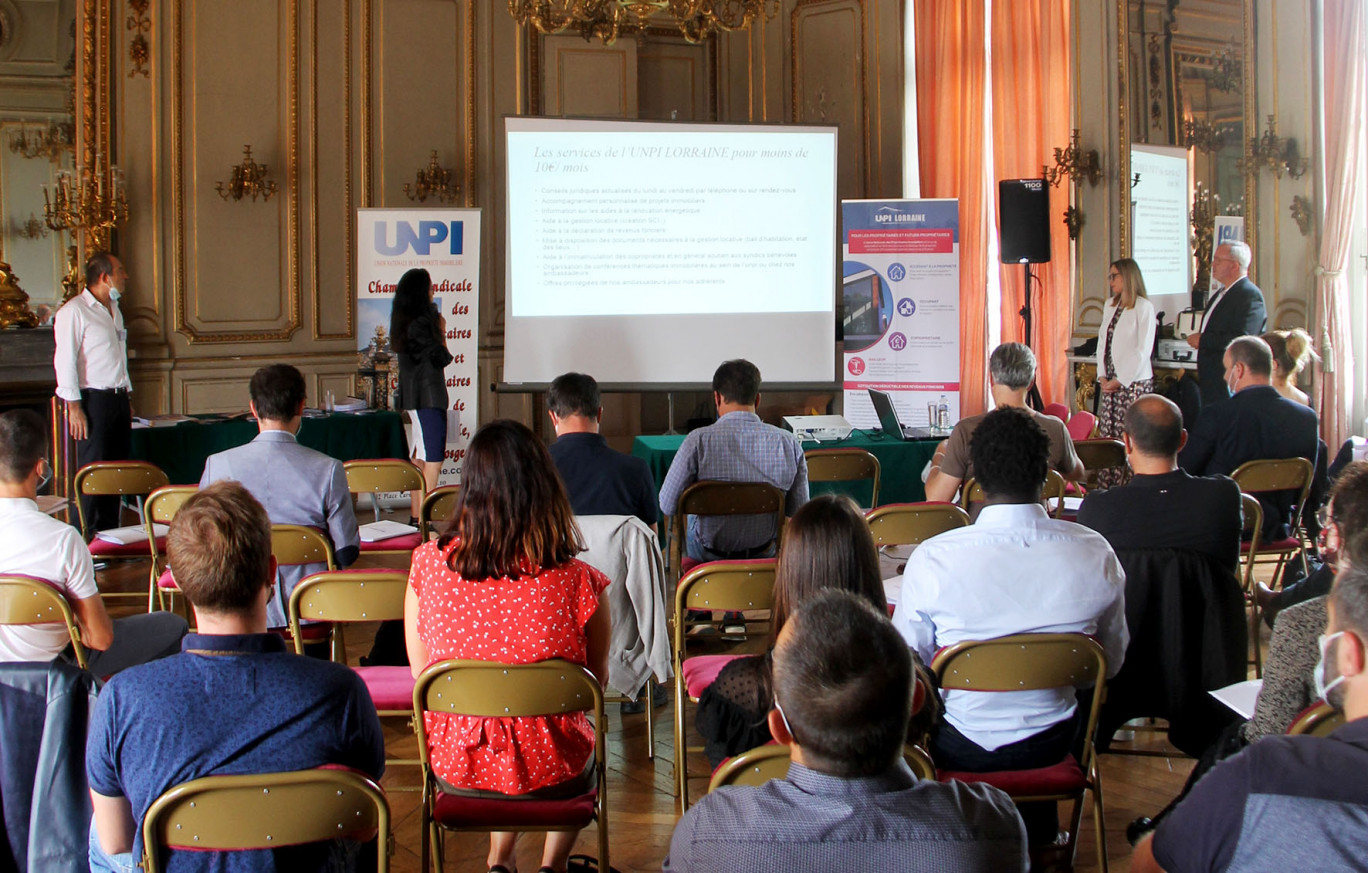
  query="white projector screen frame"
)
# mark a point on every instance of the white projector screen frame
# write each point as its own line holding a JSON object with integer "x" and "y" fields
{"x": 1160, "y": 235}
{"x": 700, "y": 242}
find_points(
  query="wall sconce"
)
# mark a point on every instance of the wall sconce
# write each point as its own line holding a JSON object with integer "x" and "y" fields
{"x": 1203, "y": 136}
{"x": 435, "y": 182}
{"x": 1074, "y": 164}
{"x": 248, "y": 179}
{"x": 41, "y": 140}
{"x": 1301, "y": 214}
{"x": 1276, "y": 153}
{"x": 89, "y": 201}
{"x": 1073, "y": 220}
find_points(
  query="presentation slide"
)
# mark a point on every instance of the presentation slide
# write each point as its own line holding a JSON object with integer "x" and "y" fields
{"x": 1159, "y": 226}
{"x": 649, "y": 252}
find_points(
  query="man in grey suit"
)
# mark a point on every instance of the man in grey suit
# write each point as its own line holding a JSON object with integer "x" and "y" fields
{"x": 297, "y": 485}
{"x": 1237, "y": 310}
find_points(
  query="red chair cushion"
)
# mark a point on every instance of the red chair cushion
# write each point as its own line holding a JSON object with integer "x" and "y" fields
{"x": 104, "y": 549}
{"x": 700, "y": 672}
{"x": 403, "y": 542}
{"x": 686, "y": 564}
{"x": 453, "y": 810}
{"x": 1063, "y": 778}
{"x": 166, "y": 581}
{"x": 312, "y": 632}
{"x": 389, "y": 687}
{"x": 1287, "y": 544}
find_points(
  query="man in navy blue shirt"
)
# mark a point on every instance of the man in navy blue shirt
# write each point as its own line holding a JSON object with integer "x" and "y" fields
{"x": 599, "y": 480}
{"x": 233, "y": 701}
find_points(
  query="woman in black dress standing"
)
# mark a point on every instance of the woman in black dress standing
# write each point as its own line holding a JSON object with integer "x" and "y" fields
{"x": 418, "y": 338}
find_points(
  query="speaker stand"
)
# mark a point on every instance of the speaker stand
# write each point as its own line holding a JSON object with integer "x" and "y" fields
{"x": 1033, "y": 398}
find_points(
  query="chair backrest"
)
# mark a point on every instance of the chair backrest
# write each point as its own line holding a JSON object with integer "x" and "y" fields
{"x": 733, "y": 586}
{"x": 726, "y": 498}
{"x": 382, "y": 475}
{"x": 161, "y": 507}
{"x": 1278, "y": 474}
{"x": 1053, "y": 488}
{"x": 1058, "y": 410}
{"x": 266, "y": 811}
{"x": 763, "y": 763}
{"x": 438, "y": 507}
{"x": 1252, "y": 511}
{"x": 1081, "y": 424}
{"x": 346, "y": 596}
{"x": 907, "y": 524}
{"x": 844, "y": 465}
{"x": 26, "y": 600}
{"x": 299, "y": 544}
{"x": 1101, "y": 453}
{"x": 1318, "y": 720}
{"x": 134, "y": 478}
{"x": 1026, "y": 662}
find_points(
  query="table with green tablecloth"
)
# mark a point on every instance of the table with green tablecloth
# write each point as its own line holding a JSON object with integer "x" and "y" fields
{"x": 182, "y": 449}
{"x": 900, "y": 463}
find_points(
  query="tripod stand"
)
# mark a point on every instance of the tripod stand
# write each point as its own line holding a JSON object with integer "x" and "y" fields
{"x": 1033, "y": 397}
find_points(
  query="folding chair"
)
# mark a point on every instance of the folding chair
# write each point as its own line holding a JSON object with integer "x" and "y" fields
{"x": 1100, "y": 454}
{"x": 383, "y": 476}
{"x": 727, "y": 585}
{"x": 1027, "y": 662}
{"x": 763, "y": 763}
{"x": 911, "y": 524}
{"x": 1273, "y": 475}
{"x": 1053, "y": 489}
{"x": 266, "y": 811}
{"x": 1320, "y": 719}
{"x": 1081, "y": 425}
{"x": 709, "y": 498}
{"x": 125, "y": 478}
{"x": 844, "y": 465}
{"x": 1251, "y": 511}
{"x": 489, "y": 690}
{"x": 438, "y": 507}
{"x": 26, "y": 600}
{"x": 160, "y": 508}
{"x": 298, "y": 544}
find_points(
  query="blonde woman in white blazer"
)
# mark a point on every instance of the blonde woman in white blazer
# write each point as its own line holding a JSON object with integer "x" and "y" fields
{"x": 1124, "y": 344}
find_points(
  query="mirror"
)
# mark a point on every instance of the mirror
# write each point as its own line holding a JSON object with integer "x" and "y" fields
{"x": 1188, "y": 80}
{"x": 37, "y": 136}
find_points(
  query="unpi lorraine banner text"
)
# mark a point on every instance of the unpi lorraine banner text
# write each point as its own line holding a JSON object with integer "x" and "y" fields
{"x": 900, "y": 306}
{"x": 446, "y": 243}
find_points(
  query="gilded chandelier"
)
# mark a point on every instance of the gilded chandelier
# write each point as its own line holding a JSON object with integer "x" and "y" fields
{"x": 607, "y": 19}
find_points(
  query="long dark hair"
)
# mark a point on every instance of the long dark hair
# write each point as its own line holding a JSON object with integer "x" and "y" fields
{"x": 514, "y": 517}
{"x": 410, "y": 301}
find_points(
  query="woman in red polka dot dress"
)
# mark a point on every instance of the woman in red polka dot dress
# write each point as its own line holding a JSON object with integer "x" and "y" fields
{"x": 502, "y": 584}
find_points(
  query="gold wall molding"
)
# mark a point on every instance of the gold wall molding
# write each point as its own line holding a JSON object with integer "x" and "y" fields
{"x": 857, "y": 116}
{"x": 349, "y": 243}
{"x": 139, "y": 21}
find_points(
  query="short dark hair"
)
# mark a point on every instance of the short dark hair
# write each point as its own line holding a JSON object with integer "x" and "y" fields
{"x": 1010, "y": 453}
{"x": 737, "y": 381}
{"x": 843, "y": 677}
{"x": 97, "y": 265}
{"x": 1254, "y": 353}
{"x": 277, "y": 391}
{"x": 219, "y": 547}
{"x": 574, "y": 394}
{"x": 1349, "y": 496}
{"x": 1155, "y": 425}
{"x": 1349, "y": 595}
{"x": 23, "y": 442}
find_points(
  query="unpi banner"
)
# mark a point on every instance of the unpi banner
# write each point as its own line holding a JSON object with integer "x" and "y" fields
{"x": 900, "y": 306}
{"x": 446, "y": 243}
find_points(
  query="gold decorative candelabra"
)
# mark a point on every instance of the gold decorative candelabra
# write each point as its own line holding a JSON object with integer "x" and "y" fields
{"x": 1073, "y": 163}
{"x": 248, "y": 179}
{"x": 607, "y": 19}
{"x": 1276, "y": 153}
{"x": 1205, "y": 207}
{"x": 435, "y": 182}
{"x": 89, "y": 201}
{"x": 43, "y": 141}
{"x": 1203, "y": 136}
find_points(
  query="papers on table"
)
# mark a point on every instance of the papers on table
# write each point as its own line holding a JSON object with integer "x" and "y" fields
{"x": 1071, "y": 504}
{"x": 384, "y": 530}
{"x": 51, "y": 503}
{"x": 134, "y": 533}
{"x": 1240, "y": 697}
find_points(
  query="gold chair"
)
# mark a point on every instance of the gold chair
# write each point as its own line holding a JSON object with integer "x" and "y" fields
{"x": 267, "y": 810}
{"x": 844, "y": 465}
{"x": 763, "y": 763}
{"x": 709, "y": 498}
{"x": 1283, "y": 474}
{"x": 1027, "y": 662}
{"x": 1053, "y": 489}
{"x": 1100, "y": 454}
{"x": 161, "y": 507}
{"x": 727, "y": 585}
{"x": 26, "y": 600}
{"x": 490, "y": 690}
{"x": 438, "y": 507}
{"x": 1251, "y": 511}
{"x": 1318, "y": 720}
{"x": 383, "y": 476}
{"x": 911, "y": 524}
{"x": 124, "y": 478}
{"x": 300, "y": 544}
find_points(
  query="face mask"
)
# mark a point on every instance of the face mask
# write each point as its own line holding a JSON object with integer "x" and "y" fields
{"x": 1322, "y": 689}
{"x": 45, "y": 476}
{"x": 114, "y": 293}
{"x": 1231, "y": 383}
{"x": 783, "y": 718}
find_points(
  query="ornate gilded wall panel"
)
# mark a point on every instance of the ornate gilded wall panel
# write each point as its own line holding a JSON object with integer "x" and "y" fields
{"x": 579, "y": 79}
{"x": 332, "y": 192}
{"x": 829, "y": 82}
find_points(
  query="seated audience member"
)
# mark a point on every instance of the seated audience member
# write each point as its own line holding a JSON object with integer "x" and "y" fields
{"x": 598, "y": 480}
{"x": 296, "y": 484}
{"x": 1291, "y": 353}
{"x": 1256, "y": 423}
{"x": 233, "y": 701}
{"x": 33, "y": 543}
{"x": 843, "y": 691}
{"x": 502, "y": 584}
{"x": 1287, "y": 802}
{"x": 738, "y": 447}
{"x": 827, "y": 544}
{"x": 1015, "y": 570}
{"x": 1011, "y": 370}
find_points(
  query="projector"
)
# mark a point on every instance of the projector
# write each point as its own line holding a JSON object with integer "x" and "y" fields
{"x": 1176, "y": 350}
{"x": 819, "y": 428}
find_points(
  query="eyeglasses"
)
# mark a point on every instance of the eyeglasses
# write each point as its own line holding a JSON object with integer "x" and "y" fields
{"x": 1111, "y": 276}
{"x": 1323, "y": 517}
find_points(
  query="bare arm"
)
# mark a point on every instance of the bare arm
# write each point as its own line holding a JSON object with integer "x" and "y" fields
{"x": 417, "y": 652}
{"x": 113, "y": 823}
{"x": 941, "y": 486}
{"x": 597, "y": 632}
{"x": 97, "y": 628}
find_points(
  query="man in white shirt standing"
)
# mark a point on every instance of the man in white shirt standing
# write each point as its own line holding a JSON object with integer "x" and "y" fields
{"x": 35, "y": 544}
{"x": 92, "y": 377}
{"x": 1015, "y": 570}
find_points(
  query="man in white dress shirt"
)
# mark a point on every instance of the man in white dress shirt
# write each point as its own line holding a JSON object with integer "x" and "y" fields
{"x": 91, "y": 361}
{"x": 33, "y": 543}
{"x": 1015, "y": 570}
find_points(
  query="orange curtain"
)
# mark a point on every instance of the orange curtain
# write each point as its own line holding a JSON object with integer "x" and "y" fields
{"x": 950, "y": 127}
{"x": 1030, "y": 81}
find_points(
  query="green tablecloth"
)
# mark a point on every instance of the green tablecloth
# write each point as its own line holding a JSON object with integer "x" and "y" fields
{"x": 900, "y": 464}
{"x": 181, "y": 450}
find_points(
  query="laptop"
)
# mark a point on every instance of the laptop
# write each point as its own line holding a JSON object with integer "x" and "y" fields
{"x": 888, "y": 419}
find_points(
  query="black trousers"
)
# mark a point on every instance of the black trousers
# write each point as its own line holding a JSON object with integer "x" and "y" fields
{"x": 109, "y": 437}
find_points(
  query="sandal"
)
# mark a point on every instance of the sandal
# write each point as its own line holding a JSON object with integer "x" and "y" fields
{"x": 499, "y": 868}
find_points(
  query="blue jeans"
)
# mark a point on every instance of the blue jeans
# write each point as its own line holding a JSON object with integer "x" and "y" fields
{"x": 101, "y": 862}
{"x": 694, "y": 548}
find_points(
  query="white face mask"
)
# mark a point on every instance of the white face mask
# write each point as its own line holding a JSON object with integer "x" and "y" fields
{"x": 45, "y": 476}
{"x": 114, "y": 293}
{"x": 1322, "y": 689}
{"x": 1231, "y": 383}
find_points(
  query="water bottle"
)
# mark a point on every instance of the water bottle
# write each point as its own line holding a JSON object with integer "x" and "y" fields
{"x": 943, "y": 414}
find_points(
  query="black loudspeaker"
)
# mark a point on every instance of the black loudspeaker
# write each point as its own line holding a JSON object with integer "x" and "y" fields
{"x": 1024, "y": 216}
